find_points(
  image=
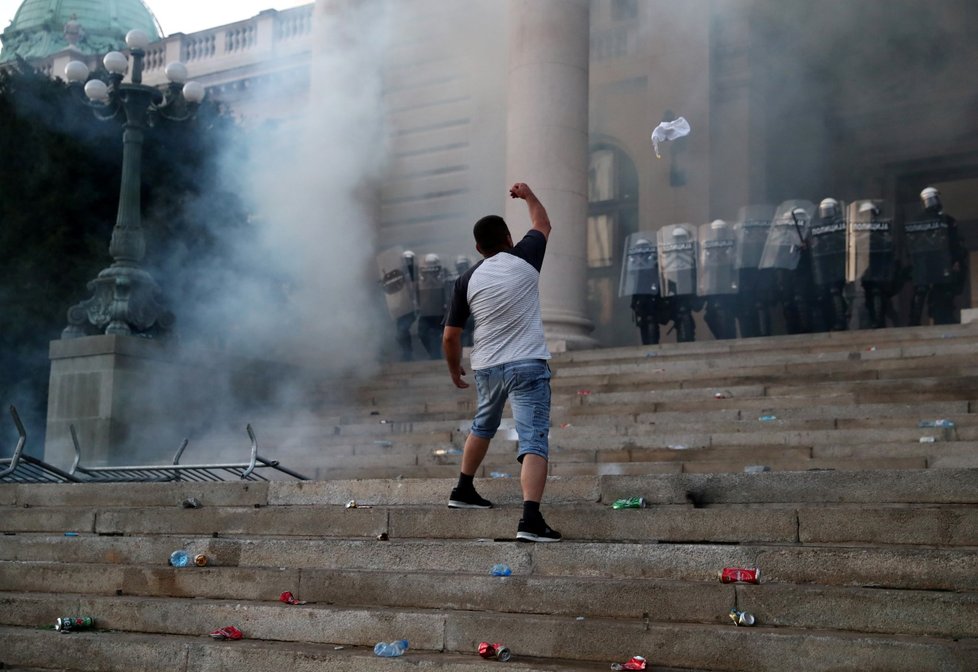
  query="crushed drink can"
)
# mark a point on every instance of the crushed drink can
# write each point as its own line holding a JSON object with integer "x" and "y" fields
{"x": 740, "y": 575}
{"x": 200, "y": 560}
{"x": 71, "y": 623}
{"x": 629, "y": 503}
{"x": 497, "y": 651}
{"x": 741, "y": 618}
{"x": 635, "y": 663}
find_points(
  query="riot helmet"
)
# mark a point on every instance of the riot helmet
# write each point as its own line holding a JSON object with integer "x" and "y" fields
{"x": 799, "y": 215}
{"x": 931, "y": 198}
{"x": 828, "y": 208}
{"x": 431, "y": 264}
{"x": 868, "y": 206}
{"x": 641, "y": 249}
{"x": 462, "y": 264}
{"x": 717, "y": 224}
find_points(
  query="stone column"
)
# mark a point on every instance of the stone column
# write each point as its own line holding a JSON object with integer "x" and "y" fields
{"x": 547, "y": 147}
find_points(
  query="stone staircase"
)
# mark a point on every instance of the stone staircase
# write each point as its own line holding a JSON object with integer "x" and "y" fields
{"x": 864, "y": 535}
{"x": 823, "y": 401}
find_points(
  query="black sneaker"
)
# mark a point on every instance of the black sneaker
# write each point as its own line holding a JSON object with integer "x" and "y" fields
{"x": 467, "y": 500}
{"x": 538, "y": 531}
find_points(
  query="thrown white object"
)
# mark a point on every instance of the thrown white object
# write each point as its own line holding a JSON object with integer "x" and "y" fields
{"x": 669, "y": 130}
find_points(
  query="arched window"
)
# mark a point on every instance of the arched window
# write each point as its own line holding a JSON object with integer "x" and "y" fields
{"x": 612, "y": 216}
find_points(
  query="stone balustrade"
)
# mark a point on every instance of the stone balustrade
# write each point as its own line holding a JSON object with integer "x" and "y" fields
{"x": 210, "y": 54}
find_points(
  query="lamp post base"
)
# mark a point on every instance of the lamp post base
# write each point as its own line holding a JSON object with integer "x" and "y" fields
{"x": 126, "y": 301}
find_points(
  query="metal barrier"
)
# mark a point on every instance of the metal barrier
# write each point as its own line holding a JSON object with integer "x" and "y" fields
{"x": 246, "y": 471}
{"x": 23, "y": 468}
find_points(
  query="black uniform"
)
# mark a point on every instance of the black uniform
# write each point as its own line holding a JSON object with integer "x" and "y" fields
{"x": 828, "y": 254}
{"x": 754, "y": 285}
{"x": 938, "y": 260}
{"x": 717, "y": 278}
{"x": 640, "y": 281}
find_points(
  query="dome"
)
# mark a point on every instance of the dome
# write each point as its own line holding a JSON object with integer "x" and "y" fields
{"x": 44, "y": 27}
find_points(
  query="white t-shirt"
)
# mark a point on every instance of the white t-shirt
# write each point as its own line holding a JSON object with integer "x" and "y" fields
{"x": 502, "y": 293}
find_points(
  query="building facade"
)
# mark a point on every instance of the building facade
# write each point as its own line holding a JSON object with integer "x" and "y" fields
{"x": 785, "y": 98}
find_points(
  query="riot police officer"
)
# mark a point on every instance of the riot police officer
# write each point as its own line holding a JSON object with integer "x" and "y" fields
{"x": 640, "y": 281}
{"x": 786, "y": 254}
{"x": 677, "y": 277}
{"x": 828, "y": 247}
{"x": 716, "y": 278}
{"x": 753, "y": 286}
{"x": 871, "y": 261}
{"x": 431, "y": 304}
{"x": 397, "y": 281}
{"x": 937, "y": 260}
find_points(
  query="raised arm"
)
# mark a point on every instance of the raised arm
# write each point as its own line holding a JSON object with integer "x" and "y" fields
{"x": 539, "y": 219}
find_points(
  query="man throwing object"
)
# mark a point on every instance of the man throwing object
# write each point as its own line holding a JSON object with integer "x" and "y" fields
{"x": 509, "y": 357}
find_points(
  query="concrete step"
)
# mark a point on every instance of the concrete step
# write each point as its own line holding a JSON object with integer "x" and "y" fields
{"x": 563, "y": 468}
{"x": 772, "y": 364}
{"x": 364, "y": 439}
{"x": 105, "y": 651}
{"x": 839, "y": 368}
{"x": 937, "y": 525}
{"x": 545, "y": 636}
{"x": 910, "y": 338}
{"x": 957, "y": 486}
{"x": 893, "y": 567}
{"x": 930, "y": 613}
{"x": 127, "y": 652}
{"x": 579, "y": 438}
{"x": 728, "y": 410}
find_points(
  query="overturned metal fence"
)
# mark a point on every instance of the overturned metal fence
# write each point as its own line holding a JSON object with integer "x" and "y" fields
{"x": 23, "y": 468}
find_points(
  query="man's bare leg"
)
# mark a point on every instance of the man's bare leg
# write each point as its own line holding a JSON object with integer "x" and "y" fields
{"x": 473, "y": 453}
{"x": 464, "y": 495}
{"x": 533, "y": 477}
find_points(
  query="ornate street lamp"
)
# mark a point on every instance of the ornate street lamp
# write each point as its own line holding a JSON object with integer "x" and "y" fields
{"x": 126, "y": 300}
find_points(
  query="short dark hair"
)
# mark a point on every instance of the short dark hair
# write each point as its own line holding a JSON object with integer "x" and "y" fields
{"x": 491, "y": 234}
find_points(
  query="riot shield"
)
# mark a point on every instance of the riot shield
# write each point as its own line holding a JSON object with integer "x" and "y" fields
{"x": 396, "y": 282}
{"x": 828, "y": 243}
{"x": 928, "y": 243}
{"x": 716, "y": 266}
{"x": 640, "y": 266}
{"x": 870, "y": 255}
{"x": 752, "y": 226}
{"x": 431, "y": 290}
{"x": 677, "y": 260}
{"x": 788, "y": 235}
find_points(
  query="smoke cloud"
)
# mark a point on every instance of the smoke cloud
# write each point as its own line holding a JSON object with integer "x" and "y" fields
{"x": 305, "y": 179}
{"x": 288, "y": 307}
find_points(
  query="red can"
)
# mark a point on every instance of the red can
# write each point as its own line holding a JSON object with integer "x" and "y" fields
{"x": 497, "y": 651}
{"x": 740, "y": 575}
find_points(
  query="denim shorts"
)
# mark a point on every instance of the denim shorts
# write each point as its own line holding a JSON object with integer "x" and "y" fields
{"x": 526, "y": 383}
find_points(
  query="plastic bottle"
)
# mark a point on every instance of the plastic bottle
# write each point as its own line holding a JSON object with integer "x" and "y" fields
{"x": 392, "y": 649}
{"x": 943, "y": 423}
{"x": 629, "y": 503}
{"x": 180, "y": 559}
{"x": 501, "y": 569}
